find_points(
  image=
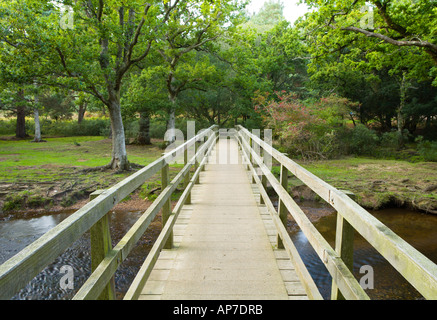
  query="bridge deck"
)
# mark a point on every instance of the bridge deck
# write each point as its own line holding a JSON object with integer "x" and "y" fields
{"x": 224, "y": 243}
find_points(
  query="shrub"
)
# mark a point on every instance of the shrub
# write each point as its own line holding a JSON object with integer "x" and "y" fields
{"x": 252, "y": 123}
{"x": 7, "y": 126}
{"x": 157, "y": 128}
{"x": 307, "y": 129}
{"x": 427, "y": 149}
{"x": 363, "y": 141}
{"x": 391, "y": 140}
{"x": 68, "y": 128}
{"x": 131, "y": 129}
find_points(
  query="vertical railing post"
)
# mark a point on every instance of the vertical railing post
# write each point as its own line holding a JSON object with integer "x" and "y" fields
{"x": 100, "y": 245}
{"x": 344, "y": 246}
{"x": 187, "y": 177}
{"x": 263, "y": 178}
{"x": 249, "y": 143}
{"x": 166, "y": 209}
{"x": 205, "y": 138}
{"x": 264, "y": 184}
{"x": 257, "y": 150}
{"x": 282, "y": 209}
{"x": 196, "y": 163}
{"x": 240, "y": 145}
{"x": 250, "y": 150}
{"x": 243, "y": 147}
{"x": 200, "y": 144}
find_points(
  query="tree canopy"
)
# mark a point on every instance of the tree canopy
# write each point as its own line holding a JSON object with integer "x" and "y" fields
{"x": 212, "y": 61}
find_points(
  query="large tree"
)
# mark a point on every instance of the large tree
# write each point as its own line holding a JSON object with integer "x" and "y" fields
{"x": 193, "y": 27}
{"x": 89, "y": 47}
{"x": 379, "y": 30}
{"x": 373, "y": 52}
{"x": 15, "y": 102}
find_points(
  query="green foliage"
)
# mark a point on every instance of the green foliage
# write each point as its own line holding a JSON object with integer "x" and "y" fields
{"x": 392, "y": 139}
{"x": 363, "y": 141}
{"x": 205, "y": 66}
{"x": 427, "y": 149}
{"x": 158, "y": 128}
{"x": 15, "y": 201}
{"x": 378, "y": 31}
{"x": 276, "y": 170}
{"x": 254, "y": 122}
{"x": 311, "y": 129}
{"x": 362, "y": 50}
{"x": 270, "y": 14}
{"x": 65, "y": 128}
{"x": 57, "y": 105}
{"x": 88, "y": 127}
{"x": 7, "y": 127}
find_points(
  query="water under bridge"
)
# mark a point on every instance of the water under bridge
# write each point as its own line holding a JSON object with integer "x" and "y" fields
{"x": 223, "y": 239}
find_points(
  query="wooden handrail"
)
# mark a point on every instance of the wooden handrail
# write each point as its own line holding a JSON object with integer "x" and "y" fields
{"x": 100, "y": 277}
{"x": 338, "y": 270}
{"x": 16, "y": 272}
{"x": 147, "y": 267}
{"x": 417, "y": 269}
{"x": 306, "y": 280}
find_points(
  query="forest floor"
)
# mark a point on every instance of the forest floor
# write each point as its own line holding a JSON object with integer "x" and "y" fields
{"x": 50, "y": 176}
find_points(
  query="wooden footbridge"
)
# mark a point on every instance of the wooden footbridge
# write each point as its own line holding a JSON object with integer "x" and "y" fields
{"x": 223, "y": 239}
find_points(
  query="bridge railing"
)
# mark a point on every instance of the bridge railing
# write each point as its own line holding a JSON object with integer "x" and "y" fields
{"x": 417, "y": 269}
{"x": 143, "y": 274}
{"x": 16, "y": 272}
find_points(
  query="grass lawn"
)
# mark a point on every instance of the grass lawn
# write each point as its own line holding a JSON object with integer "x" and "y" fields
{"x": 34, "y": 174}
{"x": 25, "y": 159}
{"x": 378, "y": 183}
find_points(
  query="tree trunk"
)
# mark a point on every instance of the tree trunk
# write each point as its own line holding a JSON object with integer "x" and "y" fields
{"x": 171, "y": 124}
{"x": 37, "y": 126}
{"x": 400, "y": 116}
{"x": 400, "y": 119}
{"x": 37, "y": 137}
{"x": 388, "y": 122}
{"x": 403, "y": 96}
{"x": 352, "y": 118}
{"x": 428, "y": 123}
{"x": 20, "y": 130}
{"x": 119, "y": 155}
{"x": 144, "y": 129}
{"x": 81, "y": 113}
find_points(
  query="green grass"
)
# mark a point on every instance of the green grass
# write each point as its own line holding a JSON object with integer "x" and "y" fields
{"x": 379, "y": 182}
{"x": 56, "y": 151}
{"x": 59, "y": 156}
{"x": 370, "y": 169}
{"x": 45, "y": 169}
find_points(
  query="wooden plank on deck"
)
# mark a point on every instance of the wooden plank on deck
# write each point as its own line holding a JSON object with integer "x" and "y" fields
{"x": 223, "y": 243}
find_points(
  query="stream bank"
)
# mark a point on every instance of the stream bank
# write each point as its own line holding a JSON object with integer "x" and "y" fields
{"x": 378, "y": 183}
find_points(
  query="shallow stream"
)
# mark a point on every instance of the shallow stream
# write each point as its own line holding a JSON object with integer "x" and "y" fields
{"x": 420, "y": 230}
{"x": 15, "y": 234}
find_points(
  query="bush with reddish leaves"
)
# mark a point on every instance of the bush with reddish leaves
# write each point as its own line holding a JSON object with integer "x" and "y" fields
{"x": 307, "y": 129}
